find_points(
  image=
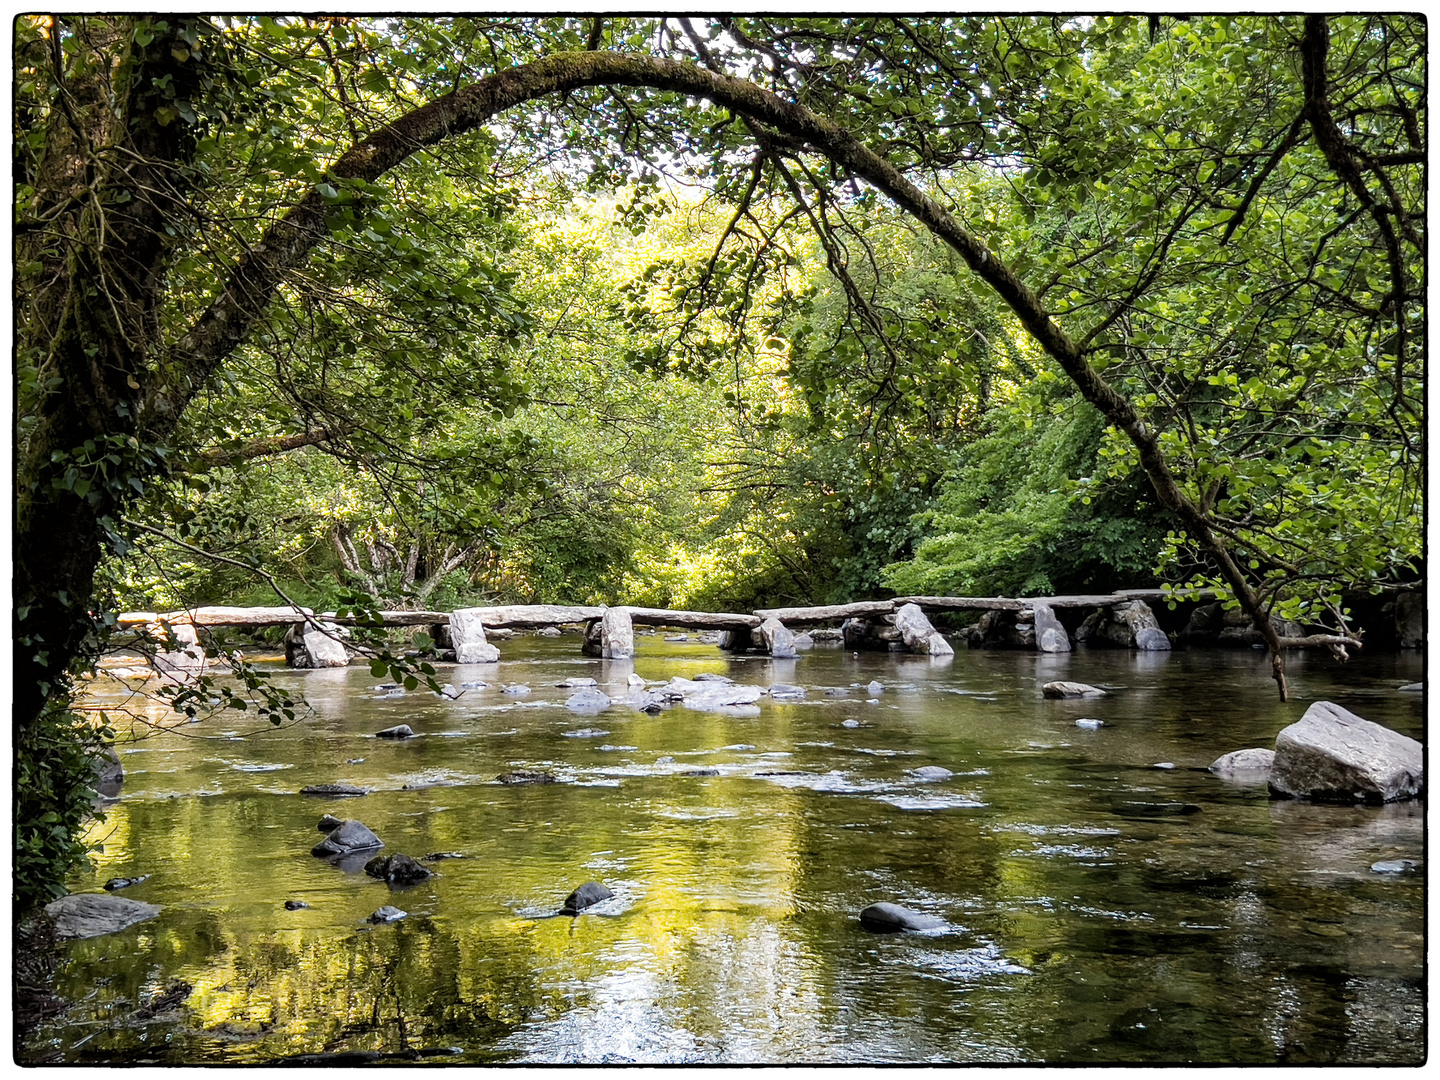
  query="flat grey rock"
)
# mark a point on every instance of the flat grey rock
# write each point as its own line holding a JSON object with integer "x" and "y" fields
{"x": 1332, "y": 755}
{"x": 399, "y": 731}
{"x": 87, "y": 915}
{"x": 576, "y": 683}
{"x": 890, "y": 918}
{"x": 516, "y": 690}
{"x": 1413, "y": 688}
{"x": 387, "y": 914}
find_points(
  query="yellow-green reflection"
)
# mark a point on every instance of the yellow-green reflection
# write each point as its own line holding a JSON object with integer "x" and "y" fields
{"x": 1245, "y": 932}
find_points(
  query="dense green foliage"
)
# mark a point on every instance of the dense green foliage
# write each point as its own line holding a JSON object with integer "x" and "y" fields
{"x": 446, "y": 310}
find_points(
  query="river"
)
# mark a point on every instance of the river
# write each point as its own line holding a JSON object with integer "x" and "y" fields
{"x": 1098, "y": 908}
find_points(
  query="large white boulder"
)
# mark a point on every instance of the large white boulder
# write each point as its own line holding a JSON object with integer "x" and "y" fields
{"x": 1332, "y": 755}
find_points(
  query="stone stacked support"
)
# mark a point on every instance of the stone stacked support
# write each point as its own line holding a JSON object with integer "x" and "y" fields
{"x": 918, "y": 634}
{"x": 610, "y": 637}
{"x": 467, "y": 637}
{"x": 1050, "y": 636}
{"x": 774, "y": 637}
{"x": 312, "y": 644}
{"x": 187, "y": 661}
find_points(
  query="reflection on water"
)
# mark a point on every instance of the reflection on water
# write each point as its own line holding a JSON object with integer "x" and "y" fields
{"x": 1097, "y": 908}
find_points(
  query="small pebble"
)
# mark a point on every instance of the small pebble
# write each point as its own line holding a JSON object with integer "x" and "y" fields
{"x": 295, "y": 905}
{"x": 1087, "y": 722}
{"x": 1163, "y": 765}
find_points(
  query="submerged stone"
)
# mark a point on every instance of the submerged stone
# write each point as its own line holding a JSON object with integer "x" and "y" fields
{"x": 397, "y": 869}
{"x": 931, "y": 772}
{"x": 87, "y": 915}
{"x": 1395, "y": 866}
{"x": 526, "y": 776}
{"x": 399, "y": 731}
{"x": 387, "y": 914}
{"x": 345, "y": 838}
{"x": 1252, "y": 764}
{"x": 334, "y": 791}
{"x": 887, "y": 918}
{"x": 124, "y": 882}
{"x": 1071, "y": 689}
{"x": 587, "y": 895}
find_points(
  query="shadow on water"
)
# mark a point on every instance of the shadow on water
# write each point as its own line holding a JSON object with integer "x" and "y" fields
{"x": 1098, "y": 908}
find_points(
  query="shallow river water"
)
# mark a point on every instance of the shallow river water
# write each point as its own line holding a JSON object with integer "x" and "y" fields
{"x": 1097, "y": 908}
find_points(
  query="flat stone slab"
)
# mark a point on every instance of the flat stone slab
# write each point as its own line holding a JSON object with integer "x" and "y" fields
{"x": 87, "y": 915}
{"x": 1332, "y": 755}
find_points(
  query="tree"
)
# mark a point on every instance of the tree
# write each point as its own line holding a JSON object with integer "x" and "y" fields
{"x": 171, "y": 192}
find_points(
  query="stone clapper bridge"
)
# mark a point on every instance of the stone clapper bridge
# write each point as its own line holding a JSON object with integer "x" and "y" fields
{"x": 898, "y": 625}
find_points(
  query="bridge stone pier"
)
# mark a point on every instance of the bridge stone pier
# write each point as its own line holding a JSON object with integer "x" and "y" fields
{"x": 899, "y": 625}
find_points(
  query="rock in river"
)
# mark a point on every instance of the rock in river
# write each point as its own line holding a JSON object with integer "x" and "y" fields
{"x": 1252, "y": 764}
{"x": 334, "y": 791}
{"x": 931, "y": 772}
{"x": 295, "y": 905}
{"x": 399, "y": 731}
{"x": 588, "y": 700}
{"x": 888, "y": 918}
{"x": 397, "y": 869}
{"x": 587, "y": 895}
{"x": 345, "y": 839}
{"x": 1332, "y": 755}
{"x": 526, "y": 776}
{"x": 87, "y": 915}
{"x": 1395, "y": 866}
{"x": 1070, "y": 689}
{"x": 387, "y": 914}
{"x": 329, "y": 823}
{"x": 117, "y": 883}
